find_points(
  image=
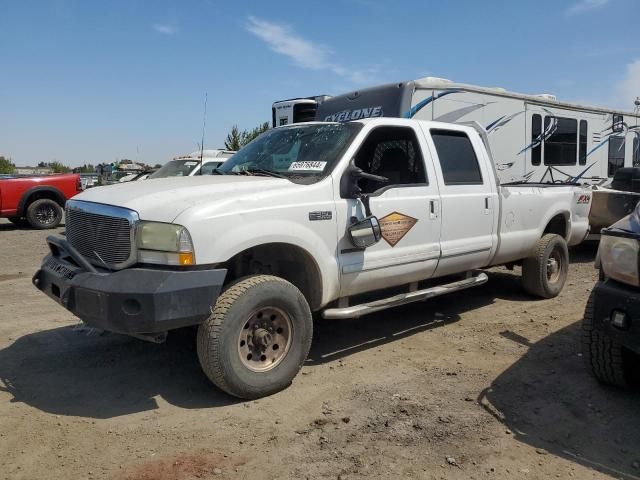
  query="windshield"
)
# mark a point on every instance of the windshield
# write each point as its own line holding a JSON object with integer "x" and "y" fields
{"x": 302, "y": 151}
{"x": 176, "y": 168}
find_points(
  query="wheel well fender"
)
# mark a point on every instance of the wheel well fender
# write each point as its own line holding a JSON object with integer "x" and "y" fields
{"x": 285, "y": 260}
{"x": 558, "y": 224}
{"x": 38, "y": 193}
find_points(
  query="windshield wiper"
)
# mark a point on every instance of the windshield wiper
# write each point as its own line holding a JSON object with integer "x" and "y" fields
{"x": 261, "y": 171}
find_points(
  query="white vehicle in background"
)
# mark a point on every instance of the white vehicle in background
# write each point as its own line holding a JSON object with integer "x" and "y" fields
{"x": 311, "y": 217}
{"x": 189, "y": 165}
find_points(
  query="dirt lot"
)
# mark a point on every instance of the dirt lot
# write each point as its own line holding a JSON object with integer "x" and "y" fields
{"x": 487, "y": 383}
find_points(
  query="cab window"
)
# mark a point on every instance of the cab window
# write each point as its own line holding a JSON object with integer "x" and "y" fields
{"x": 457, "y": 158}
{"x": 393, "y": 153}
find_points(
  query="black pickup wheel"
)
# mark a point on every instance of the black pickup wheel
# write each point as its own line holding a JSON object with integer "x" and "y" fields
{"x": 257, "y": 338}
{"x": 43, "y": 214}
{"x": 545, "y": 271}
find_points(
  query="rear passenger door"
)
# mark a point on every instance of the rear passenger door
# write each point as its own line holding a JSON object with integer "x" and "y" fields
{"x": 468, "y": 199}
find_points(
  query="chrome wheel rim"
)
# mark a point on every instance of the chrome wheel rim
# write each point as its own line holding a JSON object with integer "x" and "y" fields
{"x": 265, "y": 339}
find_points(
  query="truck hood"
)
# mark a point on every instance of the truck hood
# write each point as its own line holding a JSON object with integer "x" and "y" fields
{"x": 163, "y": 199}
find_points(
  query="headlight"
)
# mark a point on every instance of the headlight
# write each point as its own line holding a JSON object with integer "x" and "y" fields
{"x": 164, "y": 243}
{"x": 619, "y": 257}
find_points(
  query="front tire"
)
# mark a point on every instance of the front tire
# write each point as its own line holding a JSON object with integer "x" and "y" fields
{"x": 43, "y": 214}
{"x": 545, "y": 271}
{"x": 257, "y": 338}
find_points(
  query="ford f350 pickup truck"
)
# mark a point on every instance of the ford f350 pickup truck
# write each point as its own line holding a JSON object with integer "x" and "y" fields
{"x": 307, "y": 218}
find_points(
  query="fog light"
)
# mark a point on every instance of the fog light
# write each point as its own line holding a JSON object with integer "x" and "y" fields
{"x": 619, "y": 319}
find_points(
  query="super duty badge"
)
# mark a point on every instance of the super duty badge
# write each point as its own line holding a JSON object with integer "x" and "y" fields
{"x": 316, "y": 216}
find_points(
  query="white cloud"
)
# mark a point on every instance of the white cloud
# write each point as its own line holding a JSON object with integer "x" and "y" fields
{"x": 583, "y": 6}
{"x": 304, "y": 53}
{"x": 628, "y": 88}
{"x": 165, "y": 29}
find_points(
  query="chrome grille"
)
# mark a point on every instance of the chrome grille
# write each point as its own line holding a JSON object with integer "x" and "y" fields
{"x": 103, "y": 234}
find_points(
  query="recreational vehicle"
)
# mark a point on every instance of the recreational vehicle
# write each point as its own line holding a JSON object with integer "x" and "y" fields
{"x": 534, "y": 138}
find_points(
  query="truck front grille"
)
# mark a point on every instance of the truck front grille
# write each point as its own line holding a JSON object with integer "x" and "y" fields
{"x": 103, "y": 234}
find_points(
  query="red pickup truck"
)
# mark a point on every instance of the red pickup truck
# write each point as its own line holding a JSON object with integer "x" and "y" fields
{"x": 37, "y": 201}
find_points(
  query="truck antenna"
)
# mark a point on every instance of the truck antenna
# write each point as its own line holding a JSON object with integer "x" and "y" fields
{"x": 204, "y": 124}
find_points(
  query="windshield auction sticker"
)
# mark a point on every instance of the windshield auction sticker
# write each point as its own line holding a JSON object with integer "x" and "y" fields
{"x": 308, "y": 166}
{"x": 395, "y": 226}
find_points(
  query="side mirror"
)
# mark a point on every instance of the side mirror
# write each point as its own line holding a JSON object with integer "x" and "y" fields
{"x": 365, "y": 233}
{"x": 349, "y": 187}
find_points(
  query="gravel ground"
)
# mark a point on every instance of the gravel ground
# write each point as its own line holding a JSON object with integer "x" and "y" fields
{"x": 486, "y": 383}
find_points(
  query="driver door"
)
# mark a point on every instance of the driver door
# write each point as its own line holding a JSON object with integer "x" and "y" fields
{"x": 407, "y": 206}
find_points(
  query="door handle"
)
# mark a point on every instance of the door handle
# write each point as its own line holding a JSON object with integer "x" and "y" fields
{"x": 433, "y": 209}
{"x": 487, "y": 204}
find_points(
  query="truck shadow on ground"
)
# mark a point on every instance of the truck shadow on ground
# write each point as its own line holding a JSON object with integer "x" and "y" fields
{"x": 335, "y": 339}
{"x": 549, "y": 401}
{"x": 67, "y": 371}
{"x": 77, "y": 372}
{"x": 584, "y": 253}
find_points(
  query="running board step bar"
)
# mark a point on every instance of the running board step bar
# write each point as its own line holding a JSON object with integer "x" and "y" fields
{"x": 355, "y": 311}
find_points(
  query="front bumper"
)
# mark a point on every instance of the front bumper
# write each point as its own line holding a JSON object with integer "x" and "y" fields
{"x": 131, "y": 301}
{"x": 610, "y": 296}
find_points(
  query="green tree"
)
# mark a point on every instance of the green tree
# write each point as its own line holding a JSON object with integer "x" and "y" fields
{"x": 248, "y": 136}
{"x": 157, "y": 165}
{"x": 234, "y": 139}
{"x": 6, "y": 166}
{"x": 86, "y": 169}
{"x": 237, "y": 139}
{"x": 58, "y": 167}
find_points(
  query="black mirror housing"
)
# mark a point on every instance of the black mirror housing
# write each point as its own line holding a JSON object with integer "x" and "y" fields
{"x": 349, "y": 187}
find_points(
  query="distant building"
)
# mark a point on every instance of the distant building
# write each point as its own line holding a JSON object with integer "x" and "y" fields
{"x": 33, "y": 171}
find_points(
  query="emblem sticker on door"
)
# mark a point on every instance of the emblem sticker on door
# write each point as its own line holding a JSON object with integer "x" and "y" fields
{"x": 395, "y": 226}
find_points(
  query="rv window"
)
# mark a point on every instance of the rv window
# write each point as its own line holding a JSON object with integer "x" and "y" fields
{"x": 560, "y": 147}
{"x": 582, "y": 152}
{"x": 618, "y": 124}
{"x": 457, "y": 158}
{"x": 391, "y": 152}
{"x": 536, "y": 131}
{"x": 616, "y": 154}
{"x": 636, "y": 152}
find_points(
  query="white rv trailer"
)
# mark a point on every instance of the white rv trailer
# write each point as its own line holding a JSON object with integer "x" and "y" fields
{"x": 532, "y": 137}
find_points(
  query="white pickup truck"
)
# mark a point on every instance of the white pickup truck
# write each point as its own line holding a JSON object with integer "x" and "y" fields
{"x": 306, "y": 218}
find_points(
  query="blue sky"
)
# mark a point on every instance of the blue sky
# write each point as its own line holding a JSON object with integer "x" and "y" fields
{"x": 92, "y": 81}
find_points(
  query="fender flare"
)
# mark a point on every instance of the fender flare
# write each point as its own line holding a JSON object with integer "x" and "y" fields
{"x": 59, "y": 197}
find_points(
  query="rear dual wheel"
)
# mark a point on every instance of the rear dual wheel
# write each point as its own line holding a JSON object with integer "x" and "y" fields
{"x": 257, "y": 338}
